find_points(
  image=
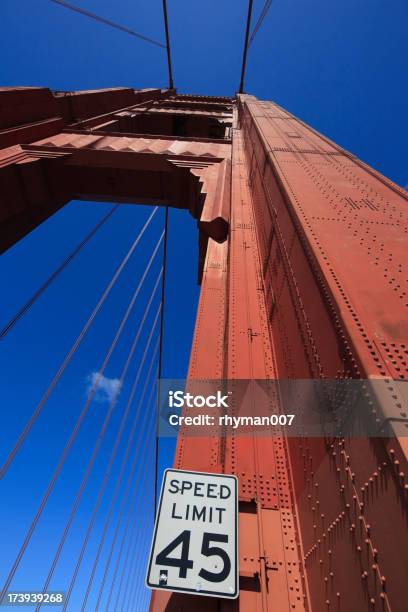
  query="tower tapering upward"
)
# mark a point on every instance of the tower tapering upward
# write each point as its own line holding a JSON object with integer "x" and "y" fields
{"x": 303, "y": 272}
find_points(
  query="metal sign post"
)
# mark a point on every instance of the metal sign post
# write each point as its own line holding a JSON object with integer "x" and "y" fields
{"x": 195, "y": 540}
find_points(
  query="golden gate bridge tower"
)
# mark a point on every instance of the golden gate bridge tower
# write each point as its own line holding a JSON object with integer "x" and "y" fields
{"x": 303, "y": 274}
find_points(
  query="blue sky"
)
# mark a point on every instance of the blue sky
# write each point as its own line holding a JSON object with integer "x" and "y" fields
{"x": 340, "y": 66}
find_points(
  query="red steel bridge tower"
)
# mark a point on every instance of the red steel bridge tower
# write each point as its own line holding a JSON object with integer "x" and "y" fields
{"x": 303, "y": 272}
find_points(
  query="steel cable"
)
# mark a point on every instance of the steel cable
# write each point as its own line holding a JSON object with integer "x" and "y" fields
{"x": 108, "y": 22}
{"x": 31, "y": 301}
{"x": 133, "y": 529}
{"x": 117, "y": 440}
{"x": 134, "y": 481}
{"x": 71, "y": 440}
{"x": 121, "y": 473}
{"x": 141, "y": 565}
{"x": 245, "y": 52}
{"x": 145, "y": 604}
{"x": 136, "y": 559}
{"x": 163, "y": 291}
{"x": 166, "y": 29}
{"x": 72, "y": 351}
{"x": 99, "y": 441}
{"x": 132, "y": 547}
{"x": 261, "y": 18}
{"x": 139, "y": 546}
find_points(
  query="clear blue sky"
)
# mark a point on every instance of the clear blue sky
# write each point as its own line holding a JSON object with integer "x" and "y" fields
{"x": 340, "y": 66}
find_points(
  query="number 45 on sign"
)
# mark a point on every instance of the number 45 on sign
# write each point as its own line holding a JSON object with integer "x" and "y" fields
{"x": 195, "y": 539}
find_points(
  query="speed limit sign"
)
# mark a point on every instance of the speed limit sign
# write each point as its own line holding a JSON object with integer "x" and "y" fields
{"x": 195, "y": 540}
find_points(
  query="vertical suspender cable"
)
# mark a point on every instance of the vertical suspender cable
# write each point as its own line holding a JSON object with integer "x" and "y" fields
{"x": 137, "y": 545}
{"x": 132, "y": 487}
{"x": 166, "y": 27}
{"x": 27, "y": 428}
{"x": 160, "y": 368}
{"x": 85, "y": 479}
{"x": 31, "y": 301}
{"x": 133, "y": 444}
{"x": 108, "y": 22}
{"x": 132, "y": 543}
{"x": 258, "y": 24}
{"x": 115, "y": 448}
{"x": 244, "y": 55}
{"x": 138, "y": 569}
{"x": 70, "y": 442}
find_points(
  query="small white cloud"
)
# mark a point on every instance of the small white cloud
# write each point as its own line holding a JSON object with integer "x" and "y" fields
{"x": 106, "y": 389}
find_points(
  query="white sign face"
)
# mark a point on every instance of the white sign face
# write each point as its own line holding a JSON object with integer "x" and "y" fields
{"x": 195, "y": 540}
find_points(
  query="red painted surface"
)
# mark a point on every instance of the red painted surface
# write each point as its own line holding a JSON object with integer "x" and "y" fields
{"x": 303, "y": 262}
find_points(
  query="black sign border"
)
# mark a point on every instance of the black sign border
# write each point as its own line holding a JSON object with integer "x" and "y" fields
{"x": 185, "y": 590}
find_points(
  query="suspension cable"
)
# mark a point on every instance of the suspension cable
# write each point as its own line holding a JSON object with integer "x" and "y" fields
{"x": 72, "y": 438}
{"x": 118, "y": 437}
{"x": 136, "y": 570}
{"x": 244, "y": 55}
{"x": 134, "y": 481}
{"x": 132, "y": 522}
{"x": 31, "y": 301}
{"x": 130, "y": 445}
{"x": 82, "y": 11}
{"x": 261, "y": 18}
{"x": 135, "y": 556}
{"x": 99, "y": 442}
{"x": 145, "y": 600}
{"x": 132, "y": 546}
{"x": 67, "y": 359}
{"x": 132, "y": 519}
{"x": 166, "y": 28}
{"x": 163, "y": 289}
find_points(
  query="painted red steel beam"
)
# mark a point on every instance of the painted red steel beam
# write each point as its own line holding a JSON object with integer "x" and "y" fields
{"x": 334, "y": 234}
{"x": 303, "y": 213}
{"x": 37, "y": 178}
{"x": 232, "y": 340}
{"x": 30, "y": 113}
